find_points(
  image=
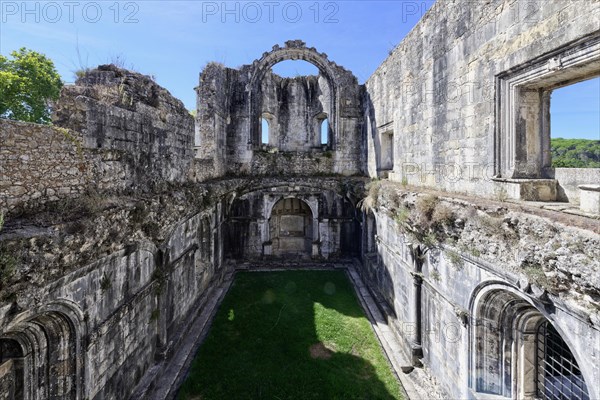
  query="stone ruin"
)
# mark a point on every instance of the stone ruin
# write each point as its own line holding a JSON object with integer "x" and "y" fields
{"x": 126, "y": 220}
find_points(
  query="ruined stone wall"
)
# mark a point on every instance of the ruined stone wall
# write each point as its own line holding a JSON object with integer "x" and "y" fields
{"x": 114, "y": 130}
{"x": 438, "y": 91}
{"x": 109, "y": 292}
{"x": 331, "y": 225}
{"x": 232, "y": 102}
{"x": 39, "y": 163}
{"x": 129, "y": 114}
{"x": 270, "y": 162}
{"x": 212, "y": 118}
{"x": 451, "y": 250}
{"x": 294, "y": 109}
{"x": 99, "y": 284}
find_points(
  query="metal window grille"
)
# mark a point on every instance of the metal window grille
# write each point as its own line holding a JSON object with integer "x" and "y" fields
{"x": 558, "y": 375}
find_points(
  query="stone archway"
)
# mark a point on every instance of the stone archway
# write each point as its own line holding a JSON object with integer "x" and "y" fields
{"x": 41, "y": 355}
{"x": 291, "y": 228}
{"x": 293, "y": 50}
{"x": 518, "y": 352}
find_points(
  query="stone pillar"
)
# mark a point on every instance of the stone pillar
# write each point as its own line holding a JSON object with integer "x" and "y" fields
{"x": 315, "y": 249}
{"x": 527, "y": 365}
{"x": 546, "y": 156}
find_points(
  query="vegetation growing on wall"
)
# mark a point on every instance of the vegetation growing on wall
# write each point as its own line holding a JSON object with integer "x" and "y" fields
{"x": 425, "y": 220}
{"x": 575, "y": 153}
{"x": 493, "y": 232}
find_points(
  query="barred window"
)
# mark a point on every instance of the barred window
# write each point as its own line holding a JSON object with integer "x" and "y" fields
{"x": 558, "y": 375}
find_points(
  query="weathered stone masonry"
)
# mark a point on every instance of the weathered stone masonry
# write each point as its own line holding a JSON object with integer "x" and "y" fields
{"x": 462, "y": 105}
{"x": 123, "y": 220}
{"x": 116, "y": 130}
{"x": 463, "y": 93}
{"x": 100, "y": 284}
{"x": 100, "y": 281}
{"x": 39, "y": 163}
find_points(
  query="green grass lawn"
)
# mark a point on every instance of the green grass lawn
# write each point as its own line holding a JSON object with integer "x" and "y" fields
{"x": 290, "y": 335}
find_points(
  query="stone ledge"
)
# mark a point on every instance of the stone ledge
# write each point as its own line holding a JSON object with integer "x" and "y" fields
{"x": 527, "y": 189}
{"x": 590, "y": 188}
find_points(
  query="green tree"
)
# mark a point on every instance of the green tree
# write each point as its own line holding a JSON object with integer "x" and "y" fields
{"x": 28, "y": 84}
{"x": 575, "y": 153}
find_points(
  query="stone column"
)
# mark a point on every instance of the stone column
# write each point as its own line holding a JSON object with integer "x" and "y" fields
{"x": 417, "y": 340}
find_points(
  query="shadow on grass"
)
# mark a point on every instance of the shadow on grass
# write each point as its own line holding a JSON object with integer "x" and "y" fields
{"x": 290, "y": 335}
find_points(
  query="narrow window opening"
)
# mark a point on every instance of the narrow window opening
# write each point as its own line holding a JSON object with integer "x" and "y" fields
{"x": 324, "y": 131}
{"x": 264, "y": 131}
{"x": 387, "y": 151}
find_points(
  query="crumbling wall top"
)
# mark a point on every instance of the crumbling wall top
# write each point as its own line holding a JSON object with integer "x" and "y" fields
{"x": 297, "y": 50}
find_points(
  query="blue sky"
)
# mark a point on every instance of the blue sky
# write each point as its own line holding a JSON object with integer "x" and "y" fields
{"x": 174, "y": 40}
{"x": 575, "y": 111}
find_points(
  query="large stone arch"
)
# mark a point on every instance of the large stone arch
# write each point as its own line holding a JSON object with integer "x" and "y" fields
{"x": 50, "y": 361}
{"x": 293, "y": 50}
{"x": 504, "y": 337}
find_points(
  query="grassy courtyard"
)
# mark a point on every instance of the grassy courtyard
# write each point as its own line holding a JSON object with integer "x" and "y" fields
{"x": 290, "y": 335}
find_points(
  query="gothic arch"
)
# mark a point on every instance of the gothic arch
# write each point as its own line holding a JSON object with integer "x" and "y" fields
{"x": 313, "y": 205}
{"x": 504, "y": 341}
{"x": 293, "y": 50}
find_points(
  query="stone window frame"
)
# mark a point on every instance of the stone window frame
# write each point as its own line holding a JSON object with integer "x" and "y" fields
{"x": 387, "y": 133}
{"x": 51, "y": 338}
{"x": 522, "y": 137}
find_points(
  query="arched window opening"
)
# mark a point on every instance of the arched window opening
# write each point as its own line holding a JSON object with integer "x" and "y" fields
{"x": 11, "y": 368}
{"x": 264, "y": 131}
{"x": 558, "y": 375}
{"x": 9, "y": 349}
{"x": 325, "y": 131}
{"x": 511, "y": 331}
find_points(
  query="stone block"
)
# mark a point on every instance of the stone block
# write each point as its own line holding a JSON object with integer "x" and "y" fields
{"x": 589, "y": 198}
{"x": 526, "y": 189}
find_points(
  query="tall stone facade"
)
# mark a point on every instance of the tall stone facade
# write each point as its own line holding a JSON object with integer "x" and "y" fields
{"x": 232, "y": 102}
{"x": 105, "y": 252}
{"x": 462, "y": 105}
{"x": 466, "y": 95}
{"x": 123, "y": 220}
